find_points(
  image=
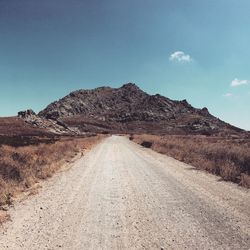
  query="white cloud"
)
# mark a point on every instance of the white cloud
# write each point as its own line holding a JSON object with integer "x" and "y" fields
{"x": 237, "y": 82}
{"x": 180, "y": 56}
{"x": 228, "y": 95}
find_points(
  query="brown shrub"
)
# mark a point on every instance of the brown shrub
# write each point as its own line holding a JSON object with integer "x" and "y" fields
{"x": 4, "y": 216}
{"x": 146, "y": 144}
{"x": 245, "y": 180}
{"x": 226, "y": 157}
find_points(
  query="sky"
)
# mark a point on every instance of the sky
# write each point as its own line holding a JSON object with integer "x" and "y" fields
{"x": 195, "y": 50}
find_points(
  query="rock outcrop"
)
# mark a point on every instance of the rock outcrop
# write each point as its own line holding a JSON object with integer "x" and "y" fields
{"x": 129, "y": 109}
{"x": 26, "y": 113}
{"x": 54, "y": 126}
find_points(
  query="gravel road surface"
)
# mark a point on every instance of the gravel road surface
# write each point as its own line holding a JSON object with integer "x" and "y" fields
{"x": 122, "y": 196}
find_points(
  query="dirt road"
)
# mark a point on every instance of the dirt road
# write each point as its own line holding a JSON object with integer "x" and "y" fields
{"x": 122, "y": 196}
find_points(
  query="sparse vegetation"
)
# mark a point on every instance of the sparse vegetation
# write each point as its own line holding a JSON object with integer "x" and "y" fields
{"x": 19, "y": 140}
{"x": 14, "y": 126}
{"x": 21, "y": 167}
{"x": 226, "y": 157}
{"x": 147, "y": 144}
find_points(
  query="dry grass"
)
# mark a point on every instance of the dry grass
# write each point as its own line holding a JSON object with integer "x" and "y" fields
{"x": 226, "y": 157}
{"x": 22, "y": 167}
{"x": 11, "y": 126}
{"x": 4, "y": 216}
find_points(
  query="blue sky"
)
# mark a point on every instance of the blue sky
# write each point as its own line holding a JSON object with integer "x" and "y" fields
{"x": 195, "y": 50}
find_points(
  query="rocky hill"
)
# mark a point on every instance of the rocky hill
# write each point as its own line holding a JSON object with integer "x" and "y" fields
{"x": 131, "y": 110}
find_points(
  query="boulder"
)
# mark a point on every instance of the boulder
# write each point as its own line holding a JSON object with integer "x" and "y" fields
{"x": 26, "y": 113}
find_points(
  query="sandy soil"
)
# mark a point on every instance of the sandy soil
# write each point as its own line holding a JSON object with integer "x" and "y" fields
{"x": 123, "y": 196}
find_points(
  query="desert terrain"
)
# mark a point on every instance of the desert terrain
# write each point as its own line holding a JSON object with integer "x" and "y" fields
{"x": 123, "y": 196}
{"x": 117, "y": 168}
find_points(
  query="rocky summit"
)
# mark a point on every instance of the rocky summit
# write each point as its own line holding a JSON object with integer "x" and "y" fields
{"x": 127, "y": 109}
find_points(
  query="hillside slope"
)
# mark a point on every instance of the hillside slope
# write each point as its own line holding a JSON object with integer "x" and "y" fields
{"x": 129, "y": 109}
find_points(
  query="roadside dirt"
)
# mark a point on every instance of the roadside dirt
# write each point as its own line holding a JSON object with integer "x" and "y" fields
{"x": 123, "y": 196}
